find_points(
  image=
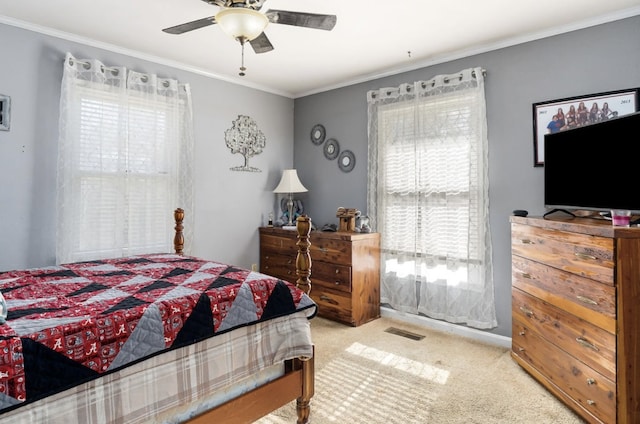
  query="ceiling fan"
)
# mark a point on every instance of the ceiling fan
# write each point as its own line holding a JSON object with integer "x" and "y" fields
{"x": 243, "y": 20}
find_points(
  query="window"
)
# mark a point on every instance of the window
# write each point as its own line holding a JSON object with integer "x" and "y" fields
{"x": 429, "y": 198}
{"x": 427, "y": 181}
{"x": 122, "y": 150}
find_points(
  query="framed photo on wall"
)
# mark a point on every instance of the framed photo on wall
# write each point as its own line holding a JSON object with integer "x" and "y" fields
{"x": 564, "y": 114}
{"x": 5, "y": 112}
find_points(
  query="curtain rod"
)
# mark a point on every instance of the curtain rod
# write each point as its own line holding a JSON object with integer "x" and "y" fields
{"x": 115, "y": 71}
{"x": 373, "y": 93}
{"x": 87, "y": 65}
{"x": 447, "y": 78}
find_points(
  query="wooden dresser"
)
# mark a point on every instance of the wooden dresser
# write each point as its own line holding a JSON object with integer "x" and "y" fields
{"x": 345, "y": 270}
{"x": 576, "y": 313}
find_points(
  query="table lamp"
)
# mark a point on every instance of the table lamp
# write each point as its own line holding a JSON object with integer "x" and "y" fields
{"x": 289, "y": 184}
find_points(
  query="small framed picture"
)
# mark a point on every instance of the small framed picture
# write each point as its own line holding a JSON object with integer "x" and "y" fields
{"x": 564, "y": 114}
{"x": 5, "y": 112}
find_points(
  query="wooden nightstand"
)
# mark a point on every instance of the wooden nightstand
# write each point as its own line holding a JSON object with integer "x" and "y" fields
{"x": 345, "y": 270}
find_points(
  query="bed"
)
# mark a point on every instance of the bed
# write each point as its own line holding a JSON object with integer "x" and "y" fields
{"x": 159, "y": 338}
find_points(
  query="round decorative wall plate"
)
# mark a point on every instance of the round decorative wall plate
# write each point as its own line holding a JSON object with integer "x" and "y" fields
{"x": 346, "y": 161}
{"x": 317, "y": 134}
{"x": 331, "y": 149}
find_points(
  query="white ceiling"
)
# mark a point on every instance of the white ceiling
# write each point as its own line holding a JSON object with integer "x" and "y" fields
{"x": 372, "y": 38}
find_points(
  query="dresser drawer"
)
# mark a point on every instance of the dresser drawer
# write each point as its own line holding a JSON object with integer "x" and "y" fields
{"x": 336, "y": 277}
{"x": 588, "y": 299}
{"x": 580, "y": 339}
{"x": 331, "y": 250}
{"x": 582, "y": 254}
{"x": 592, "y": 391}
{"x": 279, "y": 266}
{"x": 282, "y": 244}
{"x": 333, "y": 304}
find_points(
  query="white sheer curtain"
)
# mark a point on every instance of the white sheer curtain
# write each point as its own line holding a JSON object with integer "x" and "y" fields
{"x": 428, "y": 196}
{"x": 124, "y": 161}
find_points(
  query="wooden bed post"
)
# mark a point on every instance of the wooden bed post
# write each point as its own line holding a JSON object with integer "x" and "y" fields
{"x": 303, "y": 403}
{"x": 178, "y": 240}
{"x": 303, "y": 258}
{"x": 303, "y": 271}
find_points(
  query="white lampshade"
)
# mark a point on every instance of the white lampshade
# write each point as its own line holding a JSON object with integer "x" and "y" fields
{"x": 290, "y": 183}
{"x": 241, "y": 23}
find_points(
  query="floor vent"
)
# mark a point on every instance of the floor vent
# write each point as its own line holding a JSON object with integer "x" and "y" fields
{"x": 404, "y": 333}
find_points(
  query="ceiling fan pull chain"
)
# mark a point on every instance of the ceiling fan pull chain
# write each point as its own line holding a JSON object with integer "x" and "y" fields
{"x": 242, "y": 68}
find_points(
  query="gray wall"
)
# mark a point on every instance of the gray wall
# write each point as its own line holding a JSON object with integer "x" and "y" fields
{"x": 592, "y": 60}
{"x": 230, "y": 205}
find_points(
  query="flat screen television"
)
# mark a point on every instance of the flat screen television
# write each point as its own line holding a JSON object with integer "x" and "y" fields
{"x": 595, "y": 167}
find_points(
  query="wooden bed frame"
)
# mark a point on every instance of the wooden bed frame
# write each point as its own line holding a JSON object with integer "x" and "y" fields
{"x": 298, "y": 381}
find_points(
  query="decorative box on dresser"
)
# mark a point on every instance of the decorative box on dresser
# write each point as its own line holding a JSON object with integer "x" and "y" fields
{"x": 345, "y": 270}
{"x": 576, "y": 313}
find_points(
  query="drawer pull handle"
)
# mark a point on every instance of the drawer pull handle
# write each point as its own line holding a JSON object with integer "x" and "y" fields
{"x": 337, "y": 271}
{"x": 522, "y": 333}
{"x": 585, "y": 299}
{"x": 323, "y": 249}
{"x": 591, "y": 402}
{"x": 585, "y": 256}
{"x": 289, "y": 262}
{"x": 527, "y": 241}
{"x": 526, "y": 275}
{"x": 584, "y": 342}
{"x": 591, "y": 381}
{"x": 337, "y": 283}
{"x": 328, "y": 299}
{"x": 520, "y": 349}
{"x": 526, "y": 311}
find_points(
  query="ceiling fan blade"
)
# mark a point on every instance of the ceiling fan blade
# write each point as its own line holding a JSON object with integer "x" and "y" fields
{"x": 190, "y": 26}
{"x": 261, "y": 44}
{"x": 301, "y": 19}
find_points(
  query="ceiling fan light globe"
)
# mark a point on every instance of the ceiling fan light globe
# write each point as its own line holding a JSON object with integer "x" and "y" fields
{"x": 242, "y": 24}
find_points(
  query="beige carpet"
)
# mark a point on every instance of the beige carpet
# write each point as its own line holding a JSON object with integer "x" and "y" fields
{"x": 368, "y": 375}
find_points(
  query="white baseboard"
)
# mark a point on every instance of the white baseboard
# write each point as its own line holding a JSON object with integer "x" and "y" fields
{"x": 459, "y": 330}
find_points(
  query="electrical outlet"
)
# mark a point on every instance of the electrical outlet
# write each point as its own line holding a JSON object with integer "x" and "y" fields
{"x": 254, "y": 267}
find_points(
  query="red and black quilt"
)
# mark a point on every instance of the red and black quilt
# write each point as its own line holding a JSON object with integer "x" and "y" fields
{"x": 72, "y": 323}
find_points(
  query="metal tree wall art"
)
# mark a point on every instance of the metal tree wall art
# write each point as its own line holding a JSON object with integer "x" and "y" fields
{"x": 245, "y": 138}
